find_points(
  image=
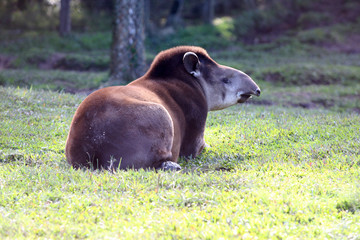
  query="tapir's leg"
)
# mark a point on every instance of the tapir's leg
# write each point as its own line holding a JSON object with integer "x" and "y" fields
{"x": 170, "y": 166}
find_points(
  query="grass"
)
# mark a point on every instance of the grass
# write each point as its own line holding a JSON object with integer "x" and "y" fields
{"x": 56, "y": 80}
{"x": 271, "y": 172}
{"x": 27, "y": 41}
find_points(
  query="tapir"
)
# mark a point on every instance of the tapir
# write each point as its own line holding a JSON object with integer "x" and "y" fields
{"x": 159, "y": 117}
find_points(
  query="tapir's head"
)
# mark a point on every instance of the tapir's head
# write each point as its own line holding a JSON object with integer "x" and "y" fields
{"x": 223, "y": 86}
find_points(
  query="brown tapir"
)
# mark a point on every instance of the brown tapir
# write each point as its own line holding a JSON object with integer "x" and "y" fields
{"x": 155, "y": 119}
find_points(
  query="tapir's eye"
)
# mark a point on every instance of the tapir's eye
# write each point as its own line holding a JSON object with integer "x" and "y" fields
{"x": 225, "y": 80}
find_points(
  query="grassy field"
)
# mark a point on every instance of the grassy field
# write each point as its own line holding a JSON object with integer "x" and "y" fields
{"x": 271, "y": 172}
{"x": 284, "y": 166}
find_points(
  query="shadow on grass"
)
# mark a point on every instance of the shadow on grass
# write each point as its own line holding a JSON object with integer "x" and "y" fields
{"x": 211, "y": 161}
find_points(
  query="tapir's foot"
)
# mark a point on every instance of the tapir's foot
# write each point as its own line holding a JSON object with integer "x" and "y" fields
{"x": 170, "y": 166}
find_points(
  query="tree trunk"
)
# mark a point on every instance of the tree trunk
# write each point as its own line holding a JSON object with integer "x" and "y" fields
{"x": 174, "y": 18}
{"x": 250, "y": 4}
{"x": 6, "y": 17}
{"x": 65, "y": 18}
{"x": 208, "y": 11}
{"x": 146, "y": 15}
{"x": 226, "y": 6}
{"x": 127, "y": 51}
{"x": 21, "y": 5}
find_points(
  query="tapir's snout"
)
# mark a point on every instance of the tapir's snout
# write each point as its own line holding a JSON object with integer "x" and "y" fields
{"x": 252, "y": 87}
{"x": 256, "y": 92}
{"x": 248, "y": 88}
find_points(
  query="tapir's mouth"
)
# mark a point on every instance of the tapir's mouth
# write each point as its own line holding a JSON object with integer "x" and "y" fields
{"x": 244, "y": 97}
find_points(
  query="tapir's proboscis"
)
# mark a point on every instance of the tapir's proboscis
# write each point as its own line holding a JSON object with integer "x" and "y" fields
{"x": 156, "y": 119}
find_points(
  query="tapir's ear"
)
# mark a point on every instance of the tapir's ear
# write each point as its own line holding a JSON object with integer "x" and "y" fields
{"x": 191, "y": 64}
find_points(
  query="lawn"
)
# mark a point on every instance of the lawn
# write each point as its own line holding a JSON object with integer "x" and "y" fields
{"x": 271, "y": 172}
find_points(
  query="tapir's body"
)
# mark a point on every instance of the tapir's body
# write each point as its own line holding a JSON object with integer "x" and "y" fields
{"x": 155, "y": 119}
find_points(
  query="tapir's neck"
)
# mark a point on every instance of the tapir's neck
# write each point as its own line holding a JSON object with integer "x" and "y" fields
{"x": 189, "y": 93}
{"x": 186, "y": 93}
{"x": 205, "y": 91}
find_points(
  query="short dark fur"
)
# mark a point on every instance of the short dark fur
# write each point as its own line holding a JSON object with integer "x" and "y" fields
{"x": 166, "y": 63}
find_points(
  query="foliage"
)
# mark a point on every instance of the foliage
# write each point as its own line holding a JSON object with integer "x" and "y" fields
{"x": 32, "y": 16}
{"x": 207, "y": 36}
{"x": 313, "y": 19}
{"x": 256, "y": 21}
{"x": 274, "y": 17}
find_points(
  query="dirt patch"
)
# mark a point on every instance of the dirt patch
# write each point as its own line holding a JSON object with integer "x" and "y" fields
{"x": 79, "y": 91}
{"x": 307, "y": 105}
{"x": 73, "y": 90}
{"x": 6, "y": 61}
{"x": 350, "y": 45}
{"x": 262, "y": 102}
{"x": 53, "y": 62}
{"x": 308, "y": 100}
{"x": 59, "y": 61}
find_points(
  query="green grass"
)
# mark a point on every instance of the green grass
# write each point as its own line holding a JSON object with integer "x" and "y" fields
{"x": 52, "y": 79}
{"x": 25, "y": 41}
{"x": 271, "y": 172}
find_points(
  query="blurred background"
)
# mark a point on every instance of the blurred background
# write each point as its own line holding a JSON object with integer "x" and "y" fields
{"x": 66, "y": 45}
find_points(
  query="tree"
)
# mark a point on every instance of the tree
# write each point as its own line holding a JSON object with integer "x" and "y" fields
{"x": 147, "y": 20}
{"x": 208, "y": 11}
{"x": 21, "y": 5}
{"x": 174, "y": 18}
{"x": 127, "y": 50}
{"x": 65, "y": 18}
